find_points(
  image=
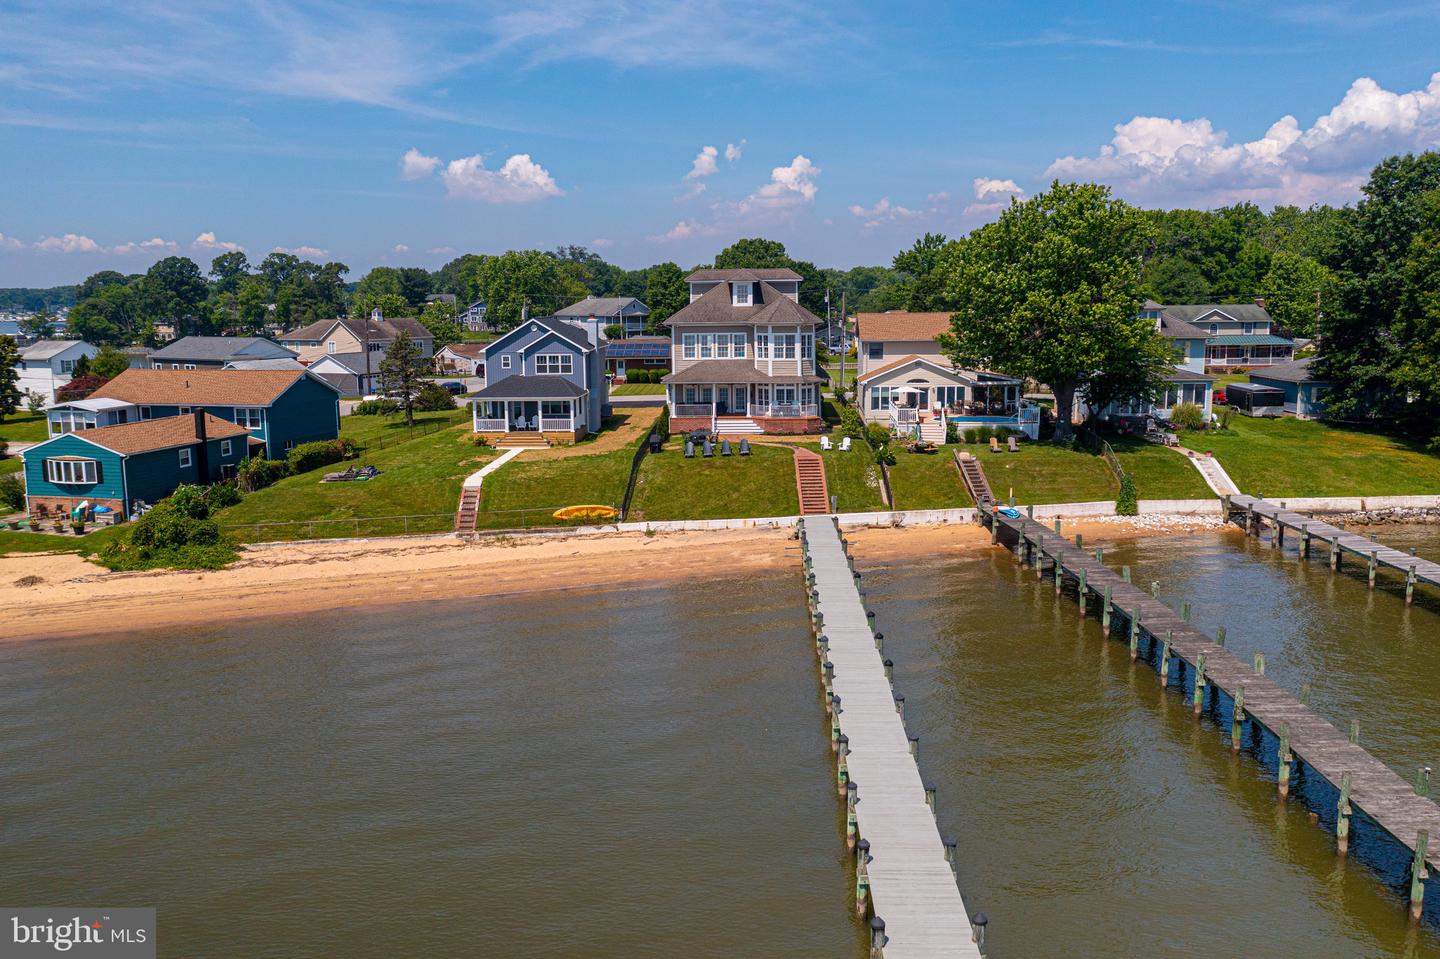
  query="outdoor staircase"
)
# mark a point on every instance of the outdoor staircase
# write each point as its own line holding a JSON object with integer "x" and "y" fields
{"x": 737, "y": 425}
{"x": 469, "y": 507}
{"x": 933, "y": 432}
{"x": 524, "y": 441}
{"x": 810, "y": 482}
{"x": 975, "y": 480}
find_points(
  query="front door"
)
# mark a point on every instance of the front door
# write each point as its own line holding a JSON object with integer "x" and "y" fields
{"x": 619, "y": 369}
{"x": 722, "y": 400}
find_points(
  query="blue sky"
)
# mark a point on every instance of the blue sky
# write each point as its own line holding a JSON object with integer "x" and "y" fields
{"x": 405, "y": 132}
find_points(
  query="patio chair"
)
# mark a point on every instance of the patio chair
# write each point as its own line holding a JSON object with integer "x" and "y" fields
{"x": 744, "y": 447}
{"x": 709, "y": 450}
{"x": 1014, "y": 446}
{"x": 42, "y": 511}
{"x": 845, "y": 445}
{"x": 825, "y": 443}
{"x": 724, "y": 447}
{"x": 689, "y": 449}
{"x": 994, "y": 445}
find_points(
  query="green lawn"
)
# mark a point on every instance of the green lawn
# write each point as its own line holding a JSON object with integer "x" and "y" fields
{"x": 525, "y": 492}
{"x": 418, "y": 477}
{"x": 1290, "y": 457}
{"x": 11, "y": 464}
{"x": 1042, "y": 473}
{"x": 927, "y": 481}
{"x": 833, "y": 369}
{"x": 853, "y": 477}
{"x": 1159, "y": 473}
{"x": 637, "y": 389}
{"x": 673, "y": 487}
{"x": 24, "y": 428}
{"x": 28, "y": 542}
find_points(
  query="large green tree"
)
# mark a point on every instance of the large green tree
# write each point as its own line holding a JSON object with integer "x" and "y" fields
{"x": 758, "y": 253}
{"x": 665, "y": 294}
{"x": 923, "y": 280}
{"x": 111, "y": 314}
{"x": 1297, "y": 290}
{"x": 1051, "y": 291}
{"x": 400, "y": 373}
{"x": 171, "y": 292}
{"x": 439, "y": 319}
{"x": 10, "y": 394}
{"x": 507, "y": 283}
{"x": 228, "y": 270}
{"x": 108, "y": 363}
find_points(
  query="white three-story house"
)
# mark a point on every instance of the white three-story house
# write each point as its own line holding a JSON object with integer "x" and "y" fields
{"x": 743, "y": 355}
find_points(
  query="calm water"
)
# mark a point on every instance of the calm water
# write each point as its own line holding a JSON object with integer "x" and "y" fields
{"x": 1095, "y": 816}
{"x": 636, "y": 773}
{"x": 646, "y": 772}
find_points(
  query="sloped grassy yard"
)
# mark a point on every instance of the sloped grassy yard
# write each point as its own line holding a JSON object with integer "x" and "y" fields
{"x": 525, "y": 492}
{"x": 672, "y": 487}
{"x": 1290, "y": 457}
{"x": 851, "y": 477}
{"x": 1159, "y": 473}
{"x": 928, "y": 481}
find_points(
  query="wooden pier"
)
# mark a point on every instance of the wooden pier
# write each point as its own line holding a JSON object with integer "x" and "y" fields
{"x": 1255, "y": 512}
{"x": 1236, "y": 693}
{"x": 904, "y": 869}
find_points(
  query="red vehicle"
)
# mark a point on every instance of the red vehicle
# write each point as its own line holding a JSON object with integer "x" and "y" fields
{"x": 1219, "y": 398}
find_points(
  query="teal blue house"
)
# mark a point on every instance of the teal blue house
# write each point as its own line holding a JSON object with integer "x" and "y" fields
{"x": 117, "y": 466}
{"x": 1304, "y": 392}
{"x": 278, "y": 409}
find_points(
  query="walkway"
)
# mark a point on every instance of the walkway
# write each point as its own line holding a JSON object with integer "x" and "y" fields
{"x": 1181, "y": 650}
{"x": 909, "y": 882}
{"x": 469, "y": 508}
{"x": 810, "y": 482}
{"x": 1257, "y": 510}
{"x": 1210, "y": 469}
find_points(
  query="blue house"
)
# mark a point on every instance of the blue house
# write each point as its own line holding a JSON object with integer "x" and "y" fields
{"x": 116, "y": 466}
{"x": 278, "y": 409}
{"x": 545, "y": 376}
{"x": 214, "y": 352}
{"x": 1304, "y": 392}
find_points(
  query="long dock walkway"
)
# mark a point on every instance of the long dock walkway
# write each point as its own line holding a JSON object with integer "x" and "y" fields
{"x": 1300, "y": 734}
{"x": 1257, "y": 511}
{"x": 900, "y": 854}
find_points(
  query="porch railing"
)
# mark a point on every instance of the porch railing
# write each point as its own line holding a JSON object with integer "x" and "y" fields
{"x": 901, "y": 414}
{"x": 784, "y": 409}
{"x": 556, "y": 424}
{"x": 490, "y": 426}
{"x": 693, "y": 409}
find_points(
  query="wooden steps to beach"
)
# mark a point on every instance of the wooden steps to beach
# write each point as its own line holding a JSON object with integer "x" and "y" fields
{"x": 468, "y": 509}
{"x": 810, "y": 482}
{"x": 523, "y": 441}
{"x": 975, "y": 481}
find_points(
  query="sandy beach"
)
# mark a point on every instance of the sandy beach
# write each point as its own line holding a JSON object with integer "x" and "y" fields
{"x": 63, "y": 595}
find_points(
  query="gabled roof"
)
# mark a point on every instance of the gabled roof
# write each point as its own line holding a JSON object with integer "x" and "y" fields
{"x": 905, "y": 361}
{"x": 277, "y": 363}
{"x": 353, "y": 362}
{"x": 1194, "y": 312}
{"x": 220, "y": 348}
{"x": 199, "y": 387}
{"x": 383, "y": 329}
{"x": 769, "y": 305}
{"x": 146, "y": 436}
{"x": 743, "y": 275}
{"x": 46, "y": 349}
{"x": 1179, "y": 373}
{"x": 568, "y": 331}
{"x": 600, "y": 306}
{"x": 900, "y": 325}
{"x": 473, "y": 351}
{"x": 1177, "y": 329}
{"x": 1295, "y": 371}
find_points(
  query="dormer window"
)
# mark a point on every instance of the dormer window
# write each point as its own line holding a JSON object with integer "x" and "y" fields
{"x": 741, "y": 294}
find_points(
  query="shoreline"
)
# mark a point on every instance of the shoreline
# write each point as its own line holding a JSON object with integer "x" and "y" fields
{"x": 48, "y": 596}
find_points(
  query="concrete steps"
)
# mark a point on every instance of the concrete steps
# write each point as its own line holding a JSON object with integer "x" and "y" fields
{"x": 737, "y": 425}
{"x": 932, "y": 432}
{"x": 810, "y": 483}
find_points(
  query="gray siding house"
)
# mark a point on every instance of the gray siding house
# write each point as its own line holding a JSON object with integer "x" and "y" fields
{"x": 545, "y": 376}
{"x": 214, "y": 352}
{"x": 598, "y": 312}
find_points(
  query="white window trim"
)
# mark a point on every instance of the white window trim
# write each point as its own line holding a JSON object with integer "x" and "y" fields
{"x": 564, "y": 364}
{"x": 250, "y": 417}
{"x": 688, "y": 346}
{"x": 736, "y": 297}
{"x": 80, "y": 472}
{"x": 145, "y": 413}
{"x": 225, "y": 447}
{"x": 186, "y": 459}
{"x": 504, "y": 361}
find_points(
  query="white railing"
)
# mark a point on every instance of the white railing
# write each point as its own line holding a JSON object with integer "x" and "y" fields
{"x": 490, "y": 426}
{"x": 693, "y": 409}
{"x": 784, "y": 409}
{"x": 901, "y": 414}
{"x": 556, "y": 424}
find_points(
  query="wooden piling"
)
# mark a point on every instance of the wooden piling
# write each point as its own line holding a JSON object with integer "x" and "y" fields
{"x": 1165, "y": 659}
{"x": 1342, "y": 816}
{"x": 1199, "y": 695}
{"x": 1283, "y": 760}
{"x": 1237, "y": 716}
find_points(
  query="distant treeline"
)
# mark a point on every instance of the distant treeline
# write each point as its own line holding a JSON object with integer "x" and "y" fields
{"x": 34, "y": 299}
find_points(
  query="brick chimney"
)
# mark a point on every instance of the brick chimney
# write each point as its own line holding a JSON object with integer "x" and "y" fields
{"x": 1260, "y": 302}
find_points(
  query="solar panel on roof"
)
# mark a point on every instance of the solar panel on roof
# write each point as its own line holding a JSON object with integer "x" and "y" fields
{"x": 620, "y": 349}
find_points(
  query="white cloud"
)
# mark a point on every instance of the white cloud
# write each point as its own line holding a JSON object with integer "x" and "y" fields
{"x": 69, "y": 243}
{"x": 704, "y": 163}
{"x": 207, "y": 241}
{"x": 152, "y": 245}
{"x": 9, "y": 243}
{"x": 1174, "y": 161}
{"x": 733, "y": 150}
{"x": 992, "y": 195}
{"x": 305, "y": 251}
{"x": 520, "y": 180}
{"x": 680, "y": 231}
{"x": 882, "y": 212}
{"x": 789, "y": 186}
{"x": 441, "y": 249}
{"x": 400, "y": 248}
{"x": 415, "y": 165}
{"x": 601, "y": 243}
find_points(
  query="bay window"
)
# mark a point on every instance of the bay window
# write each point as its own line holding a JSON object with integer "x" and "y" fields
{"x": 72, "y": 472}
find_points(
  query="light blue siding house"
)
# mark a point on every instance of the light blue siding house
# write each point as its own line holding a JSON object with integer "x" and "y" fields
{"x": 1304, "y": 393}
{"x": 545, "y": 376}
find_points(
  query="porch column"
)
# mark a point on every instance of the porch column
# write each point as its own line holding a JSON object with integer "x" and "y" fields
{"x": 474, "y": 416}
{"x": 713, "y": 388}
{"x": 571, "y": 406}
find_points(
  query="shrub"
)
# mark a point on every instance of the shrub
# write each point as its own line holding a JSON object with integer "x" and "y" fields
{"x": 481, "y": 440}
{"x": 380, "y": 407}
{"x": 972, "y": 435}
{"x": 1187, "y": 416}
{"x": 614, "y": 331}
{"x": 952, "y": 433}
{"x": 222, "y": 495}
{"x": 177, "y": 533}
{"x": 34, "y": 401}
{"x": 78, "y": 388}
{"x": 309, "y": 456}
{"x": 4, "y": 449}
{"x": 637, "y": 376}
{"x": 256, "y": 474}
{"x": 1125, "y": 503}
{"x": 877, "y": 435}
{"x": 12, "y": 492}
{"x": 660, "y": 374}
{"x": 851, "y": 423}
{"x": 1227, "y": 413}
{"x": 434, "y": 397}
{"x": 884, "y": 455}
{"x": 983, "y": 434}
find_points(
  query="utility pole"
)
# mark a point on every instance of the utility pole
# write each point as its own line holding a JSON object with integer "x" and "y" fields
{"x": 844, "y": 343}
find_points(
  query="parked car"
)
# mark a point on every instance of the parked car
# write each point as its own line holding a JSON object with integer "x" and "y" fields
{"x": 453, "y": 386}
{"x": 1219, "y": 399}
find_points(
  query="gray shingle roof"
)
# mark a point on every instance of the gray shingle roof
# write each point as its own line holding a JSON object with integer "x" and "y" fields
{"x": 217, "y": 349}
{"x": 531, "y": 388}
{"x": 782, "y": 273}
{"x": 770, "y": 306}
{"x": 568, "y": 330}
{"x": 1295, "y": 371}
{"x": 600, "y": 306}
{"x": 1194, "y": 312}
{"x": 45, "y": 349}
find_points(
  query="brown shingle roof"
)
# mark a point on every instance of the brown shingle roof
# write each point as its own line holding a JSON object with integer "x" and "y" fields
{"x": 168, "y": 431}
{"x": 476, "y": 351}
{"x": 385, "y": 329}
{"x": 199, "y": 387}
{"x": 900, "y": 325}
{"x": 769, "y": 306}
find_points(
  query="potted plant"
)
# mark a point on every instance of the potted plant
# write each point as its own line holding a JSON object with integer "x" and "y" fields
{"x": 77, "y": 526}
